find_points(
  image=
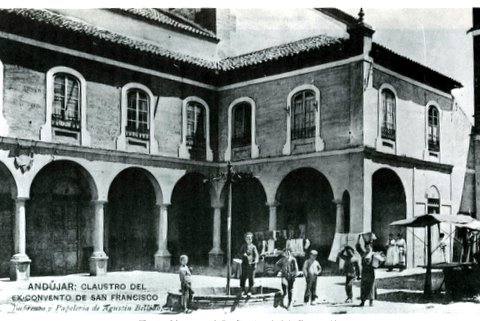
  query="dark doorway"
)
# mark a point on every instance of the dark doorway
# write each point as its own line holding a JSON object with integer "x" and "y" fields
{"x": 57, "y": 216}
{"x": 190, "y": 220}
{"x": 131, "y": 222}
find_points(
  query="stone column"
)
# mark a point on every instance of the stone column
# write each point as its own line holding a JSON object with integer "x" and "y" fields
{"x": 98, "y": 260}
{"x": 20, "y": 262}
{"x": 272, "y": 215}
{"x": 339, "y": 226}
{"x": 163, "y": 256}
{"x": 215, "y": 256}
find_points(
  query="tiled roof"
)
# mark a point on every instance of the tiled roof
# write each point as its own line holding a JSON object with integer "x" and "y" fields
{"x": 164, "y": 17}
{"x": 381, "y": 54}
{"x": 77, "y": 26}
{"x": 274, "y": 53}
{"x": 413, "y": 69}
{"x": 268, "y": 54}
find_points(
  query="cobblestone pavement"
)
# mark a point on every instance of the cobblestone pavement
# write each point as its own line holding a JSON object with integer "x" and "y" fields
{"x": 146, "y": 292}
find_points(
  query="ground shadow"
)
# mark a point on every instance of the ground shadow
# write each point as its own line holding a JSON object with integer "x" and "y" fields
{"x": 412, "y": 297}
{"x": 413, "y": 282}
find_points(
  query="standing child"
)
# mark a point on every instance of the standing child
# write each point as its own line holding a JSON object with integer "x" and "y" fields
{"x": 288, "y": 271}
{"x": 351, "y": 268}
{"x": 249, "y": 255}
{"x": 311, "y": 269}
{"x": 186, "y": 283}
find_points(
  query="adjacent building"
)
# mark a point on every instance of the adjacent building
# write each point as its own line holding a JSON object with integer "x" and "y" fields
{"x": 113, "y": 123}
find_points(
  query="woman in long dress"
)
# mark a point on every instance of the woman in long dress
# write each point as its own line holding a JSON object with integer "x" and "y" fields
{"x": 367, "y": 285}
{"x": 402, "y": 251}
{"x": 392, "y": 253}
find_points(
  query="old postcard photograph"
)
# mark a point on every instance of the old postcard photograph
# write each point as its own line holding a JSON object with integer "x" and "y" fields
{"x": 215, "y": 162}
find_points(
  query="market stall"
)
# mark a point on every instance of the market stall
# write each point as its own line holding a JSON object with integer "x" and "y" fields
{"x": 453, "y": 272}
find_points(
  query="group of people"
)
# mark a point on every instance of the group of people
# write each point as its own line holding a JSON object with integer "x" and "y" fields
{"x": 288, "y": 271}
{"x": 354, "y": 268}
{"x": 396, "y": 252}
{"x": 361, "y": 269}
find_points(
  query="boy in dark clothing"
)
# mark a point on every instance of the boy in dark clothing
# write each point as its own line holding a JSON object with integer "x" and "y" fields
{"x": 186, "y": 283}
{"x": 288, "y": 271}
{"x": 351, "y": 268}
{"x": 249, "y": 255}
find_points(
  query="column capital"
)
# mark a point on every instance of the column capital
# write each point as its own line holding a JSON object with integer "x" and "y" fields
{"x": 337, "y": 201}
{"x": 272, "y": 204}
{"x": 99, "y": 202}
{"x": 164, "y": 205}
{"x": 217, "y": 205}
{"x": 21, "y": 199}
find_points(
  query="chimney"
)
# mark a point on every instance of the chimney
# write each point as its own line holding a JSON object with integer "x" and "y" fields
{"x": 207, "y": 18}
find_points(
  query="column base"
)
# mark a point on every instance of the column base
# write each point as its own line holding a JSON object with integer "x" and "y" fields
{"x": 163, "y": 261}
{"x": 98, "y": 264}
{"x": 215, "y": 258}
{"x": 20, "y": 267}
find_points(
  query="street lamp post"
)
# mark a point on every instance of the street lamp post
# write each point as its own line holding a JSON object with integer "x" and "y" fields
{"x": 230, "y": 178}
{"x": 229, "y": 226}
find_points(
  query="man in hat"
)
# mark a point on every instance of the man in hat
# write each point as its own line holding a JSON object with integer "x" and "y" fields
{"x": 351, "y": 268}
{"x": 311, "y": 269}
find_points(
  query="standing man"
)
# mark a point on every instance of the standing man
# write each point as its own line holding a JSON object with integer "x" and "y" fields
{"x": 249, "y": 255}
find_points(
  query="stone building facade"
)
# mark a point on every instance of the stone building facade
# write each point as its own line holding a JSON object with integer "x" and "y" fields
{"x": 114, "y": 121}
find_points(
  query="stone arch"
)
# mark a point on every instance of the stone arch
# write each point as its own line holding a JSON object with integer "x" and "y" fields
{"x": 190, "y": 218}
{"x": 131, "y": 219}
{"x": 249, "y": 212}
{"x": 305, "y": 198}
{"x": 8, "y": 193}
{"x": 59, "y": 218}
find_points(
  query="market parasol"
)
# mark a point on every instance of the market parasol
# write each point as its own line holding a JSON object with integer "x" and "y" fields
{"x": 427, "y": 220}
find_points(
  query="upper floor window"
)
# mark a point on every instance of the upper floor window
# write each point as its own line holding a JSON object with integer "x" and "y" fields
{"x": 242, "y": 114}
{"x": 65, "y": 107}
{"x": 388, "y": 128}
{"x": 433, "y": 129}
{"x": 195, "y": 124}
{"x": 66, "y": 102}
{"x": 433, "y": 200}
{"x": 195, "y": 130}
{"x": 241, "y": 143}
{"x": 303, "y": 121}
{"x": 137, "y": 125}
{"x": 303, "y": 114}
{"x": 138, "y": 111}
